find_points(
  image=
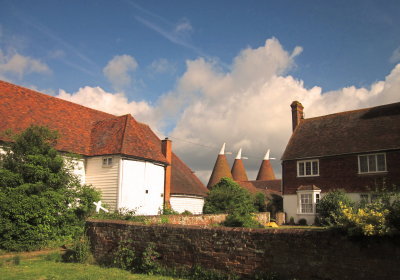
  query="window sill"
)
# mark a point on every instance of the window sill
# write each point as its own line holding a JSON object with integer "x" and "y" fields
{"x": 307, "y": 176}
{"x": 372, "y": 173}
{"x": 306, "y": 214}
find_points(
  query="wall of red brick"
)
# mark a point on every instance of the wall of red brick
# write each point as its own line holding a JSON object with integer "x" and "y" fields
{"x": 341, "y": 172}
{"x": 293, "y": 253}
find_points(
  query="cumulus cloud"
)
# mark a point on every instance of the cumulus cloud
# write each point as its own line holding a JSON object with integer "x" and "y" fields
{"x": 113, "y": 103}
{"x": 395, "y": 56}
{"x": 18, "y": 65}
{"x": 249, "y": 106}
{"x": 119, "y": 69}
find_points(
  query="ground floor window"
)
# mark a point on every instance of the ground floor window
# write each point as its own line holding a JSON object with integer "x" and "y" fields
{"x": 308, "y": 201}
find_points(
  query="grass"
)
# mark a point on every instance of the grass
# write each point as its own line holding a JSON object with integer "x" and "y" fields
{"x": 48, "y": 267}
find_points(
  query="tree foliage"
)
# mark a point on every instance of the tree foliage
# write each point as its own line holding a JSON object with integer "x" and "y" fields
{"x": 41, "y": 200}
{"x": 329, "y": 207}
{"x": 229, "y": 198}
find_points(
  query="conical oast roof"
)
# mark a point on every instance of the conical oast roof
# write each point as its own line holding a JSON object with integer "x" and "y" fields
{"x": 221, "y": 169}
{"x": 266, "y": 172}
{"x": 238, "y": 171}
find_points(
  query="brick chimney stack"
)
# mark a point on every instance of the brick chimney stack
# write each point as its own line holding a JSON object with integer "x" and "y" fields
{"x": 297, "y": 113}
{"x": 166, "y": 148}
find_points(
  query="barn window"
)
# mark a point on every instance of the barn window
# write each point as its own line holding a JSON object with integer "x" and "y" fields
{"x": 107, "y": 161}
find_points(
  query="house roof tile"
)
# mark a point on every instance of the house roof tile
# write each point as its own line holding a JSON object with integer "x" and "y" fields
{"x": 365, "y": 130}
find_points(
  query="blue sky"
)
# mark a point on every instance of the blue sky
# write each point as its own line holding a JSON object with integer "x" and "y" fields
{"x": 170, "y": 54}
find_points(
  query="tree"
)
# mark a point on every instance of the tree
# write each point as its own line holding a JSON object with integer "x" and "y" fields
{"x": 41, "y": 200}
{"x": 229, "y": 198}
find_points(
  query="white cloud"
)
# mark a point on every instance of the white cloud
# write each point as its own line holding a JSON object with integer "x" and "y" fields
{"x": 395, "y": 56}
{"x": 18, "y": 65}
{"x": 249, "y": 106}
{"x": 113, "y": 103}
{"x": 162, "y": 66}
{"x": 118, "y": 70}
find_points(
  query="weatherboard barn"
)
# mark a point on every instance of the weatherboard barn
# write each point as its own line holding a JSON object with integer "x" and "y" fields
{"x": 119, "y": 156}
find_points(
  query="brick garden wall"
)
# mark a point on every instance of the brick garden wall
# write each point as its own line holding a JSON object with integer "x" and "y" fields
{"x": 201, "y": 220}
{"x": 289, "y": 252}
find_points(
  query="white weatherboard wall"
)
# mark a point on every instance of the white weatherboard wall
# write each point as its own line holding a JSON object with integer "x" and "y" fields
{"x": 105, "y": 179}
{"x": 180, "y": 203}
{"x": 142, "y": 187}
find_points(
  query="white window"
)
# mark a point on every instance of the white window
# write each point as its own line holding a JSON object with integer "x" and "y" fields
{"x": 107, "y": 162}
{"x": 308, "y": 201}
{"x": 308, "y": 168}
{"x": 372, "y": 163}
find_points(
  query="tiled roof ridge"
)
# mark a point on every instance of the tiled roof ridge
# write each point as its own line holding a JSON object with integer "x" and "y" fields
{"x": 53, "y": 97}
{"x": 346, "y": 112}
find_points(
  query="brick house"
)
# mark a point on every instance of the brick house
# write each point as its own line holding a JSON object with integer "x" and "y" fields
{"x": 356, "y": 151}
{"x": 119, "y": 156}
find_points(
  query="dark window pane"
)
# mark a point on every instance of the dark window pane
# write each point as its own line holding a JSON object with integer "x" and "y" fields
{"x": 301, "y": 168}
{"x": 308, "y": 168}
{"x": 315, "y": 168}
{"x": 381, "y": 162}
{"x": 372, "y": 163}
{"x": 363, "y": 164}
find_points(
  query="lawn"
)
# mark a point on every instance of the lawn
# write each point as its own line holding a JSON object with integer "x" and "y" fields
{"x": 48, "y": 268}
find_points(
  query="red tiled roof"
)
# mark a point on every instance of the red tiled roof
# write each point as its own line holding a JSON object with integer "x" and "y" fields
{"x": 238, "y": 171}
{"x": 365, "y": 130}
{"x": 81, "y": 130}
{"x": 266, "y": 172}
{"x": 221, "y": 169}
{"x": 266, "y": 187}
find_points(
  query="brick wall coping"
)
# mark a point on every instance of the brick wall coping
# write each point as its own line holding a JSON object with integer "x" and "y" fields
{"x": 283, "y": 231}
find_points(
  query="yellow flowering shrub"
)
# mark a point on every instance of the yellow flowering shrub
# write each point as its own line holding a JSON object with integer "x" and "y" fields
{"x": 369, "y": 220}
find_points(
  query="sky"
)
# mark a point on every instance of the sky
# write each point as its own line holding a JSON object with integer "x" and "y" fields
{"x": 207, "y": 72}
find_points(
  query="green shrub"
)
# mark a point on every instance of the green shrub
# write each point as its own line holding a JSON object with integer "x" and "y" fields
{"x": 260, "y": 204}
{"x": 124, "y": 256}
{"x": 229, "y": 198}
{"x": 329, "y": 209}
{"x": 291, "y": 221}
{"x": 80, "y": 251}
{"x": 302, "y": 222}
{"x": 148, "y": 262}
{"x": 41, "y": 200}
{"x": 186, "y": 213}
{"x": 394, "y": 214}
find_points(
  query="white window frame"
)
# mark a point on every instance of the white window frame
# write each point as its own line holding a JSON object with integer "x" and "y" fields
{"x": 315, "y": 198}
{"x": 304, "y": 162}
{"x": 370, "y": 169}
{"x": 107, "y": 162}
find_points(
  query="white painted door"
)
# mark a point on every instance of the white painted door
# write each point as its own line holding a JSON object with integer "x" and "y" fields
{"x": 142, "y": 187}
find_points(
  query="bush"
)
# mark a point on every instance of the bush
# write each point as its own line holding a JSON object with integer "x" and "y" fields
{"x": 260, "y": 203}
{"x": 229, "y": 198}
{"x": 369, "y": 221}
{"x": 148, "y": 262}
{"x": 80, "y": 251}
{"x": 40, "y": 198}
{"x": 124, "y": 256}
{"x": 329, "y": 208}
{"x": 302, "y": 222}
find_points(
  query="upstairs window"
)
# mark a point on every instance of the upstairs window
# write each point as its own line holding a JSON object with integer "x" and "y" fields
{"x": 372, "y": 163}
{"x": 107, "y": 162}
{"x": 308, "y": 168}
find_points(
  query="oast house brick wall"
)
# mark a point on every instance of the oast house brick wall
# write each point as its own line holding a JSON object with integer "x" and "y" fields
{"x": 293, "y": 253}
